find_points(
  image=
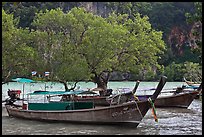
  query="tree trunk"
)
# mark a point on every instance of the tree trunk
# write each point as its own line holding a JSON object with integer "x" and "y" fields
{"x": 101, "y": 83}
{"x": 72, "y": 88}
{"x": 65, "y": 85}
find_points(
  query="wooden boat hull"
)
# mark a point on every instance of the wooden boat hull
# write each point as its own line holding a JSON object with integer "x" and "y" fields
{"x": 128, "y": 113}
{"x": 97, "y": 101}
{"x": 179, "y": 100}
{"x": 182, "y": 100}
{"x": 198, "y": 96}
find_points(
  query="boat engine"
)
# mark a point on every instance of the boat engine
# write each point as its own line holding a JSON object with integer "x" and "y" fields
{"x": 13, "y": 96}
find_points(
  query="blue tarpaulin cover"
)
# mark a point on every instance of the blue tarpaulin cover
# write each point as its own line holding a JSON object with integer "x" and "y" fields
{"x": 23, "y": 80}
{"x": 61, "y": 92}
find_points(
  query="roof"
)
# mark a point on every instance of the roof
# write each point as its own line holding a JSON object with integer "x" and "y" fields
{"x": 23, "y": 80}
{"x": 39, "y": 92}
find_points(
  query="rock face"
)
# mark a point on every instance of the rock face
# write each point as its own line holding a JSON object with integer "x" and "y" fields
{"x": 98, "y": 8}
{"x": 118, "y": 76}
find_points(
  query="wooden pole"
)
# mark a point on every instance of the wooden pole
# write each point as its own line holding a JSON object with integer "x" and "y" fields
{"x": 23, "y": 94}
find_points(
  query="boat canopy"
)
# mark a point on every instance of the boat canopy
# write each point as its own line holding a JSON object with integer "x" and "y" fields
{"x": 39, "y": 92}
{"x": 23, "y": 80}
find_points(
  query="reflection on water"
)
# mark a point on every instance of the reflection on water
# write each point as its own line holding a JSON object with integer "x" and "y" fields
{"x": 172, "y": 121}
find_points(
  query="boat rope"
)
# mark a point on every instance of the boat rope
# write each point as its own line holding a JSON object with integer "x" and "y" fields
{"x": 138, "y": 109}
{"x": 135, "y": 97}
{"x": 153, "y": 109}
{"x": 119, "y": 98}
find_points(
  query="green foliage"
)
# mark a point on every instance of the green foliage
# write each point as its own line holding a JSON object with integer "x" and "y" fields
{"x": 164, "y": 16}
{"x": 196, "y": 31}
{"x": 174, "y": 72}
{"x": 55, "y": 39}
{"x": 189, "y": 70}
{"x": 16, "y": 54}
{"x": 197, "y": 15}
{"x": 193, "y": 71}
{"x": 141, "y": 40}
{"x": 74, "y": 44}
{"x": 79, "y": 45}
{"x": 120, "y": 7}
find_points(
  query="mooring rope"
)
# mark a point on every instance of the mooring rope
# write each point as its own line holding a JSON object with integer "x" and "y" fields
{"x": 153, "y": 109}
{"x": 138, "y": 109}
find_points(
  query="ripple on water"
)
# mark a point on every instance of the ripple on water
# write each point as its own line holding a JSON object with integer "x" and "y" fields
{"x": 84, "y": 132}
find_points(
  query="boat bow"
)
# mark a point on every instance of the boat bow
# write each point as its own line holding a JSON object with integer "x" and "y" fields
{"x": 159, "y": 88}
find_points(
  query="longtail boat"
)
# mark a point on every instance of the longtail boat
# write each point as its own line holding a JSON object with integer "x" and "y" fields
{"x": 131, "y": 112}
{"x": 111, "y": 99}
{"x": 191, "y": 84}
{"x": 178, "y": 99}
